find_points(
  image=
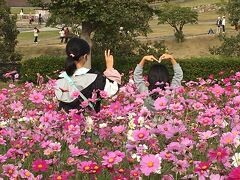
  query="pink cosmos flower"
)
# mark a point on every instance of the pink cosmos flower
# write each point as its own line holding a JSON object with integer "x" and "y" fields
{"x": 216, "y": 177}
{"x": 103, "y": 94}
{"x": 115, "y": 106}
{"x": 220, "y": 154}
{"x": 217, "y": 90}
{"x": 71, "y": 161}
{"x": 76, "y": 151}
{"x": 206, "y": 135}
{"x": 24, "y": 173}
{"x": 227, "y": 138}
{"x": 16, "y": 106}
{"x": 176, "y": 107}
{"x": 2, "y": 158}
{"x": 55, "y": 147}
{"x": 89, "y": 167}
{"x": 234, "y": 174}
{"x": 236, "y": 100}
{"x": 10, "y": 170}
{"x": 198, "y": 106}
{"x": 2, "y": 98}
{"x": 205, "y": 121}
{"x": 149, "y": 164}
{"x": 75, "y": 94}
{"x": 140, "y": 134}
{"x": 40, "y": 165}
{"x": 36, "y": 97}
{"x": 160, "y": 103}
{"x": 166, "y": 129}
{"x": 118, "y": 129}
{"x": 111, "y": 158}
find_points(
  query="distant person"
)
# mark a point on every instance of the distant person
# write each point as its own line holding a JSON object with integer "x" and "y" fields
{"x": 40, "y": 19}
{"x": 31, "y": 18}
{"x": 66, "y": 34}
{"x": 210, "y": 31}
{"x": 35, "y": 34}
{"x": 21, "y": 14}
{"x": 62, "y": 35}
{"x": 219, "y": 25}
{"x": 223, "y": 24}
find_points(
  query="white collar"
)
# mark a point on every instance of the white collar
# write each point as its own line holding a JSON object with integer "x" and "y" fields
{"x": 78, "y": 72}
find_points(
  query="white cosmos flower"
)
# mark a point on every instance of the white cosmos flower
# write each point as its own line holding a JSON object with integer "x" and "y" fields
{"x": 236, "y": 160}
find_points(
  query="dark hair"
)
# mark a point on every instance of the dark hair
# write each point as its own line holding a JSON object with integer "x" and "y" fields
{"x": 75, "y": 48}
{"x": 158, "y": 73}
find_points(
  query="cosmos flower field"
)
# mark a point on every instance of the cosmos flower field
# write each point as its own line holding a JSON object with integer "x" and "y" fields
{"x": 195, "y": 134}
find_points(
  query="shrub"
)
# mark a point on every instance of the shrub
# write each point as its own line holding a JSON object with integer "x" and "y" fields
{"x": 230, "y": 47}
{"x": 193, "y": 68}
{"x": 44, "y": 65}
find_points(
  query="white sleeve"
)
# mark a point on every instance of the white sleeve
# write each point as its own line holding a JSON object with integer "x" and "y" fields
{"x": 111, "y": 87}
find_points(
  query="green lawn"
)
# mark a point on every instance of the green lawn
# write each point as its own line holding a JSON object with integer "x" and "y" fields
{"x": 26, "y": 10}
{"x": 193, "y": 3}
{"x": 45, "y": 37}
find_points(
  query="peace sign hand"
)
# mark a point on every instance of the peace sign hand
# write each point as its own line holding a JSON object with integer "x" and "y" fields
{"x": 109, "y": 59}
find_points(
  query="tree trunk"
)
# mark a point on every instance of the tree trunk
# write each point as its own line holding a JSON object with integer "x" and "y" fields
{"x": 86, "y": 35}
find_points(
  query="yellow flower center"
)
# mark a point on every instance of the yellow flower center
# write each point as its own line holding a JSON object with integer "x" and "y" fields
{"x": 140, "y": 135}
{"x": 219, "y": 153}
{"x": 59, "y": 177}
{"x": 40, "y": 166}
{"x": 204, "y": 167}
{"x": 168, "y": 155}
{"x": 135, "y": 174}
{"x": 28, "y": 174}
{"x": 111, "y": 160}
{"x": 86, "y": 168}
{"x": 10, "y": 171}
{"x": 96, "y": 167}
{"x": 150, "y": 164}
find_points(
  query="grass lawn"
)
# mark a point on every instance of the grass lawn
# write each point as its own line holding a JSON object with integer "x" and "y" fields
{"x": 192, "y": 3}
{"x": 26, "y": 10}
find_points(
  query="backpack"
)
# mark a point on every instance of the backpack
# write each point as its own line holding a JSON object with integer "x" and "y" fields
{"x": 38, "y": 31}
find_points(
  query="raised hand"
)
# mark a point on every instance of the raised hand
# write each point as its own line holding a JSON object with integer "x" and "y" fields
{"x": 108, "y": 59}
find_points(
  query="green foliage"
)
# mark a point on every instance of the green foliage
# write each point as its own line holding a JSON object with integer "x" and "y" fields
{"x": 177, "y": 16}
{"x": 126, "y": 44}
{"x": 233, "y": 9}
{"x": 44, "y": 65}
{"x": 102, "y": 19}
{"x": 193, "y": 68}
{"x": 8, "y": 35}
{"x": 230, "y": 47}
{"x": 38, "y": 3}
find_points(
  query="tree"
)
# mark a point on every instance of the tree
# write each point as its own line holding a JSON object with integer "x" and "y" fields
{"x": 176, "y": 17}
{"x": 103, "y": 16}
{"x": 39, "y": 3}
{"x": 233, "y": 8}
{"x": 8, "y": 35}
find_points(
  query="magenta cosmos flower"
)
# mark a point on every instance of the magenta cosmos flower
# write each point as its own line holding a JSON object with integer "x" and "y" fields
{"x": 234, "y": 174}
{"x": 40, "y": 165}
{"x": 221, "y": 154}
{"x": 36, "y": 97}
{"x": 149, "y": 163}
{"x": 140, "y": 134}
